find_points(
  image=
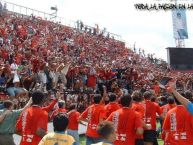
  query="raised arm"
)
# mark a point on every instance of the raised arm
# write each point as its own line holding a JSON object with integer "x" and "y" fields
{"x": 27, "y": 105}
{"x": 84, "y": 116}
{"x": 180, "y": 98}
{"x": 3, "y": 115}
{"x": 51, "y": 106}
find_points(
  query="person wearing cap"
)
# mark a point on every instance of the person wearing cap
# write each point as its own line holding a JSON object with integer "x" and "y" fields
{"x": 58, "y": 137}
{"x": 8, "y": 118}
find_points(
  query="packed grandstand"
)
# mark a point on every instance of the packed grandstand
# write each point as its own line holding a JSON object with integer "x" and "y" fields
{"x": 82, "y": 75}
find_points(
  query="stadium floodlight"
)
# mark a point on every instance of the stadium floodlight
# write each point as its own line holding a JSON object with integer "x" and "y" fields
{"x": 54, "y": 8}
{"x": 54, "y": 15}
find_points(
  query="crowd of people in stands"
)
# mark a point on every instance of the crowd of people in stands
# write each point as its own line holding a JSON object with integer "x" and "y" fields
{"x": 87, "y": 77}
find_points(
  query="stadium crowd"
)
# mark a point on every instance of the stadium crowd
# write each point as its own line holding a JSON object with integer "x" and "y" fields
{"x": 77, "y": 75}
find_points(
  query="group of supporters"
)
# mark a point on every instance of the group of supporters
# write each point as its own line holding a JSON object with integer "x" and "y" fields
{"x": 36, "y": 53}
{"x": 70, "y": 76}
{"x": 129, "y": 119}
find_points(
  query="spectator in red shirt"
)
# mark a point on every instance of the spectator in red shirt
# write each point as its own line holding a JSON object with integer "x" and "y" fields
{"x": 94, "y": 114}
{"x": 156, "y": 88}
{"x": 92, "y": 79}
{"x": 32, "y": 124}
{"x": 73, "y": 116}
{"x": 91, "y": 82}
{"x": 127, "y": 122}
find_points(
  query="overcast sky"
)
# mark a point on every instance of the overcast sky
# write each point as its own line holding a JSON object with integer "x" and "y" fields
{"x": 151, "y": 30}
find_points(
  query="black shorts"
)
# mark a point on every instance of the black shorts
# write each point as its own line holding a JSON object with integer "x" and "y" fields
{"x": 150, "y": 136}
{"x": 139, "y": 142}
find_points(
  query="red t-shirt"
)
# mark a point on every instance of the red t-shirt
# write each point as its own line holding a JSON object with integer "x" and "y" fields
{"x": 139, "y": 108}
{"x": 179, "y": 125}
{"x": 55, "y": 112}
{"x": 126, "y": 121}
{"x": 35, "y": 65}
{"x": 150, "y": 113}
{"x": 109, "y": 75}
{"x": 2, "y": 31}
{"x": 18, "y": 58}
{"x": 30, "y": 120}
{"x": 42, "y": 65}
{"x": 166, "y": 108}
{"x": 156, "y": 89}
{"x": 91, "y": 82}
{"x": 93, "y": 114}
{"x": 73, "y": 117}
{"x": 111, "y": 107}
{"x": 5, "y": 54}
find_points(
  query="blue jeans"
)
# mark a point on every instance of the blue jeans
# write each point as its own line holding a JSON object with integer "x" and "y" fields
{"x": 1, "y": 106}
{"x": 92, "y": 140}
{"x": 13, "y": 91}
{"x": 74, "y": 134}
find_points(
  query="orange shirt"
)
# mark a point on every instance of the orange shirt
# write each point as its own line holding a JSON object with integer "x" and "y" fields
{"x": 73, "y": 117}
{"x": 111, "y": 107}
{"x": 93, "y": 114}
{"x": 55, "y": 112}
{"x": 151, "y": 109}
{"x": 179, "y": 125}
{"x": 28, "y": 123}
{"x": 126, "y": 121}
{"x": 139, "y": 108}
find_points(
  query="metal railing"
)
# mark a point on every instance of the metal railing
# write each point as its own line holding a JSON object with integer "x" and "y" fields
{"x": 45, "y": 16}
